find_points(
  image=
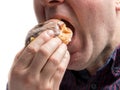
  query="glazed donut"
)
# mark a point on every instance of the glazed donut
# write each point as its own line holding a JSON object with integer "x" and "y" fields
{"x": 59, "y": 28}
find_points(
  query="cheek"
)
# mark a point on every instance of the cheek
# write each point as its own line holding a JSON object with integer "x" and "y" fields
{"x": 90, "y": 9}
{"x": 86, "y": 11}
{"x": 39, "y": 11}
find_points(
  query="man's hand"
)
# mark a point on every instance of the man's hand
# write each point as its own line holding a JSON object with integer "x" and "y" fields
{"x": 41, "y": 65}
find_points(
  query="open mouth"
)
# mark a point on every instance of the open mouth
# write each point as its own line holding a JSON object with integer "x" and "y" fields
{"x": 69, "y": 25}
{"x": 44, "y": 26}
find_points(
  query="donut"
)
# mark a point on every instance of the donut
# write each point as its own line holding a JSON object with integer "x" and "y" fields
{"x": 59, "y": 28}
{"x": 65, "y": 34}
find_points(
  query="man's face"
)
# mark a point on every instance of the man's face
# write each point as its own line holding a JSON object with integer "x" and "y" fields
{"x": 93, "y": 22}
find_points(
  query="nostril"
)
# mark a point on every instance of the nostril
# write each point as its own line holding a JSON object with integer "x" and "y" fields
{"x": 53, "y": 1}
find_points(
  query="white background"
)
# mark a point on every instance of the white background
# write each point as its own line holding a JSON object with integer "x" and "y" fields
{"x": 16, "y": 18}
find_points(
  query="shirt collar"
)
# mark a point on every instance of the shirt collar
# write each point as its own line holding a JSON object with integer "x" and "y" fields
{"x": 112, "y": 63}
{"x": 116, "y": 62}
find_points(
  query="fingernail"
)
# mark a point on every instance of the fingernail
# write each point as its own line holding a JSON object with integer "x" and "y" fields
{"x": 50, "y": 32}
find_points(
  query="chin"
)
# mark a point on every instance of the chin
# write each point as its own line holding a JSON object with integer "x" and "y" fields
{"x": 80, "y": 60}
{"x": 76, "y": 68}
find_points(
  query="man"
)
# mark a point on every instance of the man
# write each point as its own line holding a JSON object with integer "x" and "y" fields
{"x": 90, "y": 62}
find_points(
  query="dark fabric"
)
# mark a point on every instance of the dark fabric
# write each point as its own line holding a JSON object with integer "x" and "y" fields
{"x": 106, "y": 78}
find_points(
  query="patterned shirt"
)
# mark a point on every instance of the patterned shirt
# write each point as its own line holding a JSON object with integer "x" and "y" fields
{"x": 106, "y": 78}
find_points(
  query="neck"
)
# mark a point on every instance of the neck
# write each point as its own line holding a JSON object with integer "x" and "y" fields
{"x": 101, "y": 60}
{"x": 103, "y": 57}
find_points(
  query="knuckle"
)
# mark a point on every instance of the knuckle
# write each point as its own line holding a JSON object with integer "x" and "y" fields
{"x": 16, "y": 72}
{"x": 30, "y": 78}
{"x": 59, "y": 73}
{"x": 44, "y": 51}
{"x": 61, "y": 69}
{"x": 31, "y": 49}
{"x": 57, "y": 76}
{"x": 48, "y": 88}
{"x": 45, "y": 86}
{"x": 24, "y": 75}
{"x": 54, "y": 60}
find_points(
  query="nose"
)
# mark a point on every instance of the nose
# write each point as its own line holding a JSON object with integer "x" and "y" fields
{"x": 51, "y": 2}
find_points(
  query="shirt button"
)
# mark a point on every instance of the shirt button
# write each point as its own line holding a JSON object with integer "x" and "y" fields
{"x": 93, "y": 86}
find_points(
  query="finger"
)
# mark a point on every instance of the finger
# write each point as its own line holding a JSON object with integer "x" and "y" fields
{"x": 17, "y": 56}
{"x": 29, "y": 52}
{"x": 41, "y": 39}
{"x": 53, "y": 62}
{"x": 44, "y": 53}
{"x": 58, "y": 76}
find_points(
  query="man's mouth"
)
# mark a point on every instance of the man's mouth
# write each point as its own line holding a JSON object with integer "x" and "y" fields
{"x": 67, "y": 34}
{"x": 69, "y": 25}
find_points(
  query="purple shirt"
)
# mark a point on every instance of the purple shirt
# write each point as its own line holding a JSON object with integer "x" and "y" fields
{"x": 106, "y": 78}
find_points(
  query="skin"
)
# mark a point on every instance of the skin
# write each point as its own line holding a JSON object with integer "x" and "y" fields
{"x": 42, "y": 64}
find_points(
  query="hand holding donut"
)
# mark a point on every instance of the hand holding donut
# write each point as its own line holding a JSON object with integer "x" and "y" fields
{"x": 59, "y": 28}
{"x": 42, "y": 63}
